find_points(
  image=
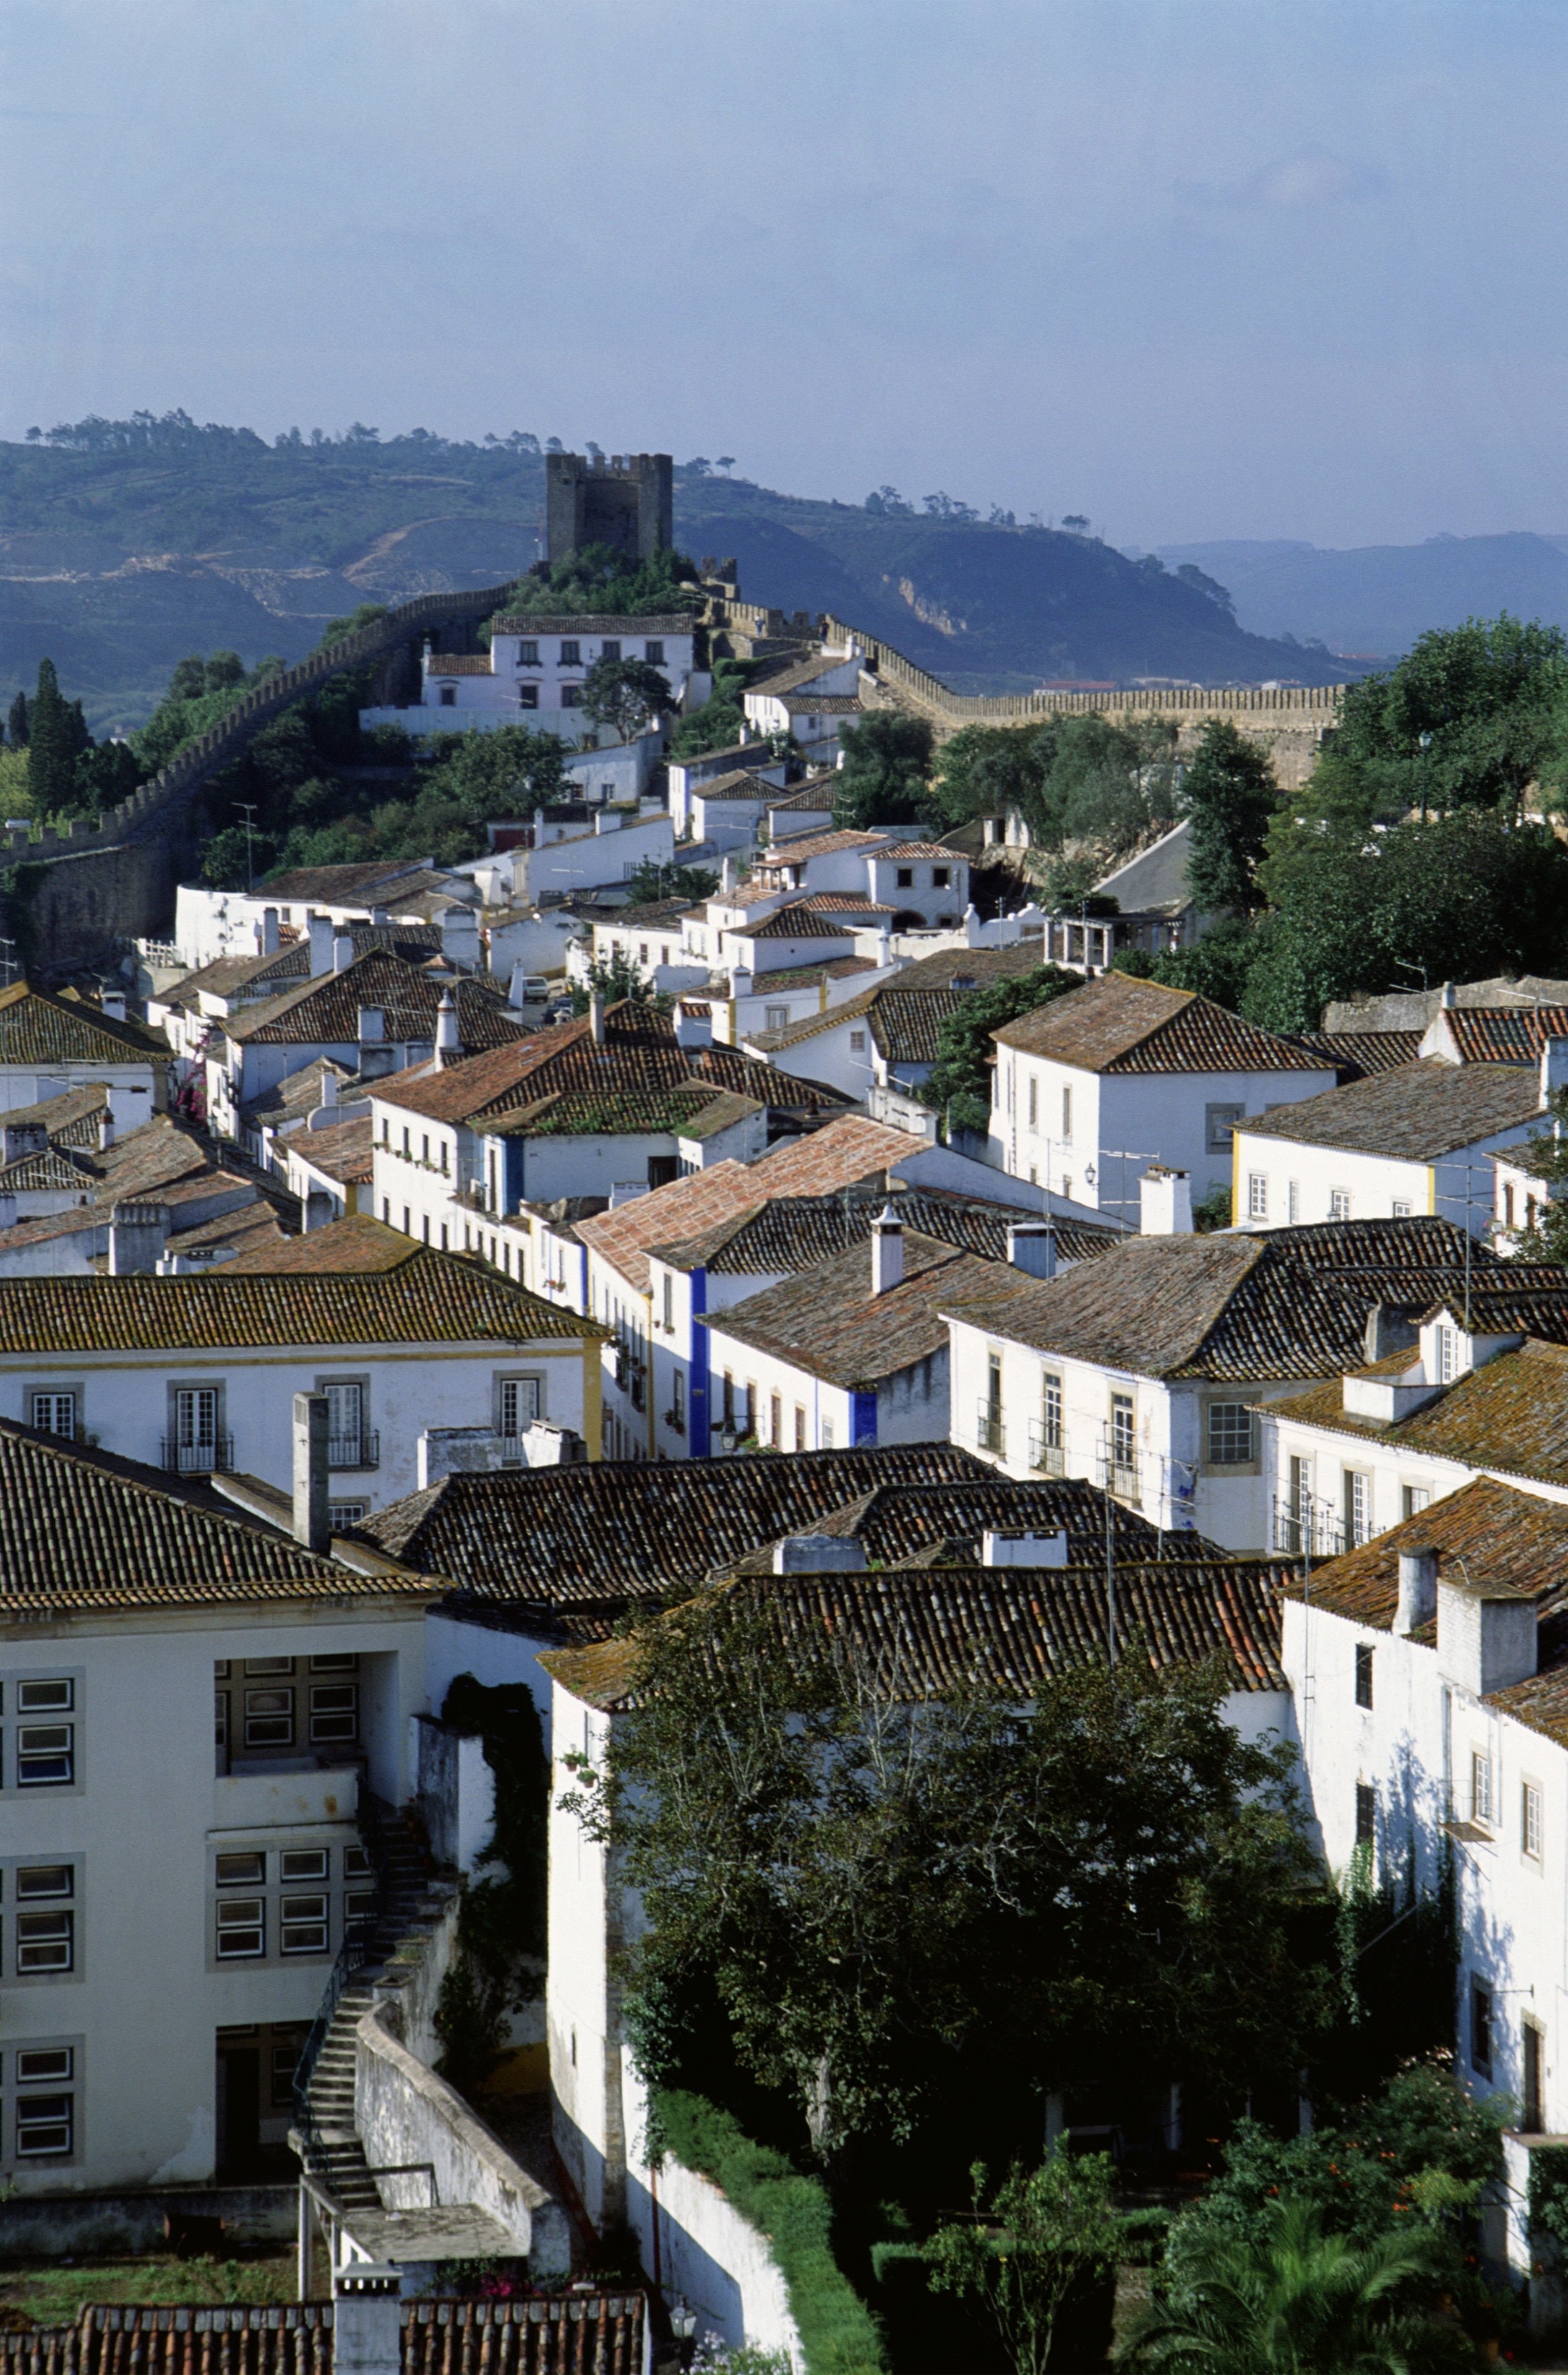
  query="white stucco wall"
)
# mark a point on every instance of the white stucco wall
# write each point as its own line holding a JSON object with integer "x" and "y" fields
{"x": 1459, "y": 1187}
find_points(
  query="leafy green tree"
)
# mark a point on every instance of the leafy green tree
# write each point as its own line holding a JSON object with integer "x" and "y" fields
{"x": 1229, "y": 793}
{"x": 627, "y": 695}
{"x": 1546, "y": 1158}
{"x": 959, "y": 1084}
{"x": 887, "y": 761}
{"x": 1298, "y": 2301}
{"x": 233, "y": 859}
{"x": 56, "y": 737}
{"x": 986, "y": 770}
{"x": 653, "y": 881}
{"x": 1022, "y": 2250}
{"x": 1103, "y": 1881}
{"x": 612, "y": 979}
{"x": 600, "y": 579}
{"x": 106, "y": 774}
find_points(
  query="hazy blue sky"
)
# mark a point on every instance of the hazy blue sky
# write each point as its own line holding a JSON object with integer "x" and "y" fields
{"x": 1197, "y": 267}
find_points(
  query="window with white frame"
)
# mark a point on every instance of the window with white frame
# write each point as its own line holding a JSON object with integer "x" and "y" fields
{"x": 1123, "y": 1435}
{"x": 1448, "y": 1355}
{"x": 1230, "y": 1434}
{"x": 775, "y": 1018}
{"x": 857, "y": 1043}
{"x": 1220, "y": 1121}
{"x": 1338, "y": 1204}
{"x": 1293, "y": 1202}
{"x": 1413, "y": 1499}
{"x": 669, "y": 1302}
{"x": 45, "y": 2102}
{"x": 1067, "y": 1117}
{"x": 45, "y": 1919}
{"x": 1480, "y": 1786}
{"x": 1530, "y": 1820}
{"x": 46, "y": 1746}
{"x": 1051, "y": 1409}
{"x": 1258, "y": 1196}
{"x": 1358, "y": 1508}
{"x": 1033, "y": 1102}
{"x": 55, "y": 1414}
{"x": 242, "y": 1929}
{"x": 345, "y": 1421}
{"x": 517, "y": 1402}
{"x": 1401, "y": 1208}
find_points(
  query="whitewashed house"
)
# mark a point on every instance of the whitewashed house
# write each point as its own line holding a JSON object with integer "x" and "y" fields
{"x": 171, "y": 1910}
{"x": 195, "y": 1375}
{"x": 1144, "y": 1370}
{"x": 209, "y": 924}
{"x": 1418, "y": 1138}
{"x": 884, "y": 1033}
{"x": 1092, "y": 1087}
{"x": 533, "y": 673}
{"x": 52, "y": 1043}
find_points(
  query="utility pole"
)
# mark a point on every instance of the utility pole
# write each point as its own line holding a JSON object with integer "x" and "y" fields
{"x": 248, "y": 811}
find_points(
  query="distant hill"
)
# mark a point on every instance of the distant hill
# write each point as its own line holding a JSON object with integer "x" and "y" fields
{"x": 133, "y": 544}
{"x": 1378, "y": 598}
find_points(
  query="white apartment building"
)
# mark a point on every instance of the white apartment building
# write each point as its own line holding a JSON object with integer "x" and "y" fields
{"x": 533, "y": 675}
{"x": 195, "y": 1375}
{"x": 212, "y": 924}
{"x": 1094, "y": 1086}
{"x": 1418, "y": 1138}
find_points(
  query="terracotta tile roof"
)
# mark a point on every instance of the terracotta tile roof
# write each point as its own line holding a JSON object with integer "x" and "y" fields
{"x": 571, "y": 2334}
{"x": 1228, "y": 1306}
{"x": 248, "y": 1230}
{"x": 69, "y": 1120}
{"x": 846, "y": 902}
{"x": 49, "y": 1170}
{"x": 828, "y": 1323}
{"x": 1120, "y": 1024}
{"x": 1510, "y": 1414}
{"x": 342, "y": 1150}
{"x": 299, "y": 1094}
{"x": 1355, "y": 1054}
{"x": 613, "y": 1530}
{"x": 1496, "y": 1305}
{"x": 79, "y": 1529}
{"x": 354, "y": 1245}
{"x": 900, "y": 850}
{"x": 654, "y": 915}
{"x": 800, "y": 673}
{"x": 346, "y": 886}
{"x": 597, "y": 622}
{"x": 1005, "y": 1628}
{"x": 739, "y": 783}
{"x": 1502, "y": 1539}
{"x": 700, "y": 1200}
{"x": 969, "y": 968}
{"x": 225, "y": 977}
{"x": 144, "y": 1163}
{"x": 326, "y": 1010}
{"x": 1414, "y": 1114}
{"x": 803, "y": 977}
{"x": 1500, "y": 1035}
{"x": 430, "y": 1297}
{"x": 821, "y": 844}
{"x": 791, "y": 1234}
{"x": 459, "y": 664}
{"x": 819, "y": 704}
{"x": 813, "y": 799}
{"x": 897, "y": 1522}
{"x": 37, "y": 1027}
{"x": 801, "y": 920}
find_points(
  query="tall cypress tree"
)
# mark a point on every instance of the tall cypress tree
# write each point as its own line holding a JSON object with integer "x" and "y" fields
{"x": 17, "y": 722}
{"x": 52, "y": 745}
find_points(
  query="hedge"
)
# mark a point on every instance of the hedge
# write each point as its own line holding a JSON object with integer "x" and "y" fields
{"x": 838, "y": 2333}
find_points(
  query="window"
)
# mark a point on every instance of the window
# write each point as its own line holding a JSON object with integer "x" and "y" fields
{"x": 529, "y": 653}
{"x": 775, "y": 1422}
{"x": 44, "y": 2126}
{"x": 1033, "y": 1103}
{"x": 519, "y": 1404}
{"x": 940, "y": 877}
{"x": 449, "y": 696}
{"x": 571, "y": 653}
{"x": 569, "y": 694}
{"x": 1299, "y": 1533}
{"x": 1530, "y": 1820}
{"x": 1123, "y": 1436}
{"x": 1338, "y": 1204}
{"x": 334, "y": 1715}
{"x": 241, "y": 1928}
{"x": 345, "y": 1424}
{"x": 303, "y": 1927}
{"x": 46, "y": 1880}
{"x": 1366, "y": 1813}
{"x": 269, "y": 1718}
{"x": 1230, "y": 1434}
{"x": 1220, "y": 1121}
{"x": 37, "y": 2064}
{"x": 827, "y": 1434}
{"x": 1258, "y": 1196}
{"x": 527, "y": 696}
{"x": 653, "y": 654}
{"x": 1533, "y": 2118}
{"x": 776, "y": 1017}
{"x": 669, "y": 1302}
{"x": 1401, "y": 1209}
{"x": 1293, "y": 1202}
{"x": 1364, "y": 1675}
{"x": 1481, "y": 2027}
{"x": 56, "y": 1696}
{"x": 1413, "y": 1499}
{"x": 1480, "y": 1786}
{"x": 45, "y": 1752}
{"x": 45, "y": 1941}
{"x": 799, "y": 1427}
{"x": 246, "y": 1871}
{"x": 609, "y": 649}
{"x": 1067, "y": 1119}
{"x": 857, "y": 1043}
{"x": 678, "y": 1401}
{"x": 1358, "y": 1508}
{"x": 1446, "y": 1361}
{"x": 56, "y": 1414}
{"x": 1051, "y": 1409}
{"x": 195, "y": 1429}
{"x": 905, "y": 877}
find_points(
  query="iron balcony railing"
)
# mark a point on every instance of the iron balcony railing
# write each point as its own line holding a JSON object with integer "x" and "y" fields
{"x": 361, "y": 1450}
{"x": 990, "y": 1431}
{"x": 1308, "y": 1529}
{"x": 215, "y": 1456}
{"x": 1048, "y": 1455}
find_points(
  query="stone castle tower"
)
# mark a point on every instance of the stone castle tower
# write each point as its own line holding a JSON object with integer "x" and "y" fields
{"x": 627, "y": 502}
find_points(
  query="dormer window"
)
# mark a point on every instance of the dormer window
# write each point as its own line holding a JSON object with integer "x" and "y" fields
{"x": 1448, "y": 1355}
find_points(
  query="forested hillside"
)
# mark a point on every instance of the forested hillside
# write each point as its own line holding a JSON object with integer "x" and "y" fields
{"x": 124, "y": 546}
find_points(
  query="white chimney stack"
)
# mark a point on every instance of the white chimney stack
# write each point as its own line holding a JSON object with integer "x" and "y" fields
{"x": 322, "y": 937}
{"x": 136, "y": 1237}
{"x": 113, "y": 1001}
{"x": 1418, "y": 1587}
{"x": 692, "y": 1030}
{"x": 342, "y": 952}
{"x": 1023, "y": 1550}
{"x": 887, "y": 1251}
{"x": 1554, "y": 1070}
{"x": 1165, "y": 1203}
{"x": 312, "y": 1528}
{"x": 106, "y": 1130}
{"x": 269, "y": 932}
{"x": 448, "y": 1047}
{"x": 741, "y": 980}
{"x": 597, "y": 1018}
{"x": 1031, "y": 1248}
{"x": 327, "y": 1100}
{"x": 819, "y": 1554}
{"x": 729, "y": 875}
{"x": 367, "y": 2320}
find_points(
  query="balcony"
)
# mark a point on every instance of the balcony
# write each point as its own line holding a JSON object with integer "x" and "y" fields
{"x": 361, "y": 1450}
{"x": 1046, "y": 1457}
{"x": 1121, "y": 1478}
{"x": 990, "y": 1433}
{"x": 214, "y": 1457}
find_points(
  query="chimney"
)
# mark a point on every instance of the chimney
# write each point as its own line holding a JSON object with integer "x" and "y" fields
{"x": 342, "y": 952}
{"x": 1023, "y": 1550}
{"x": 1484, "y": 1641}
{"x": 1554, "y": 1070}
{"x": 448, "y": 1047}
{"x": 817, "y": 1554}
{"x": 367, "y": 2320}
{"x": 741, "y": 981}
{"x": 729, "y": 875}
{"x": 327, "y": 1098}
{"x": 1387, "y": 1332}
{"x": 106, "y": 1129}
{"x": 1418, "y": 1587}
{"x": 113, "y": 1001}
{"x": 373, "y": 1025}
{"x": 597, "y": 1018}
{"x": 381, "y": 917}
{"x": 322, "y": 937}
{"x": 311, "y": 1526}
{"x": 1031, "y": 1248}
{"x": 1447, "y": 997}
{"x": 887, "y": 1251}
{"x": 692, "y": 1030}
{"x": 9, "y": 1211}
{"x": 136, "y": 1238}
{"x": 1164, "y": 1203}
{"x": 269, "y": 932}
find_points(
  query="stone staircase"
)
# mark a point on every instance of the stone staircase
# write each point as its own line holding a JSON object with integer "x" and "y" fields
{"x": 411, "y": 1898}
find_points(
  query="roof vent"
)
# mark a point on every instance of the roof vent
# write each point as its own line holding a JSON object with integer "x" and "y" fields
{"x": 818, "y": 1553}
